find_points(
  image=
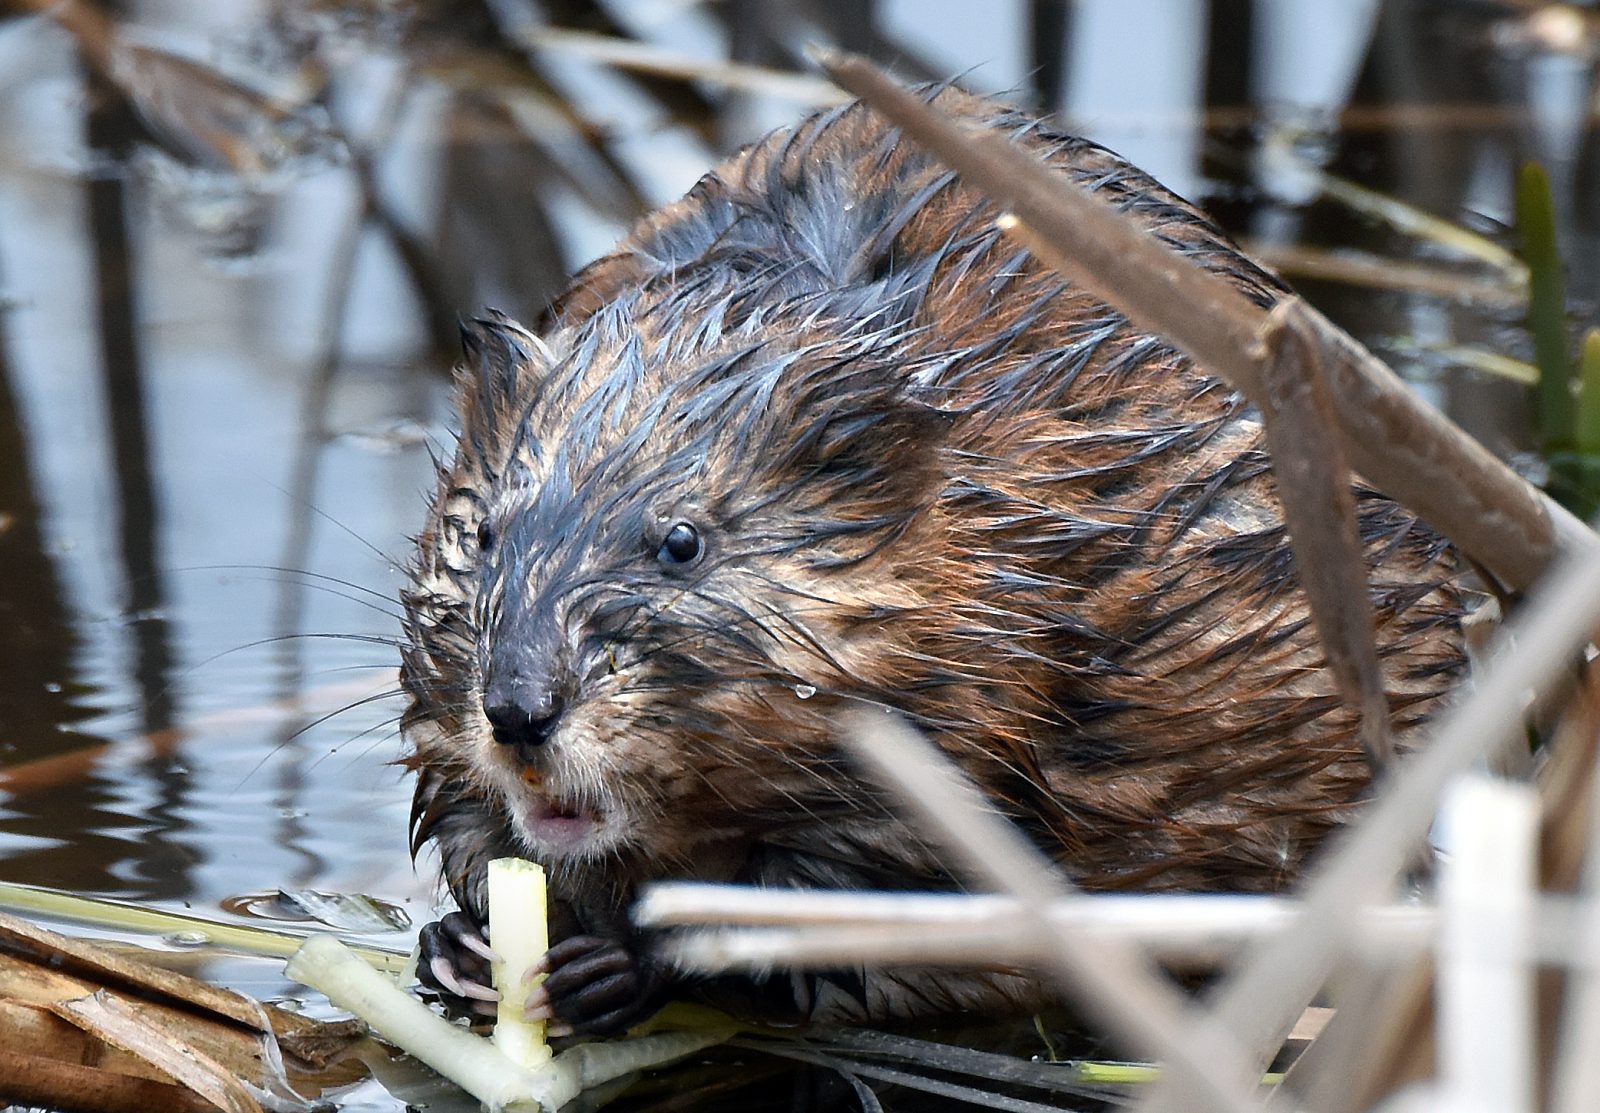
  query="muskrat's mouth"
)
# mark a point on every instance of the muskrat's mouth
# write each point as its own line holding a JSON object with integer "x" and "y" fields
{"x": 557, "y": 824}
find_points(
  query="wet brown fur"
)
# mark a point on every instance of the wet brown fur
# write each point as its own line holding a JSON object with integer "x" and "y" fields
{"x": 939, "y": 479}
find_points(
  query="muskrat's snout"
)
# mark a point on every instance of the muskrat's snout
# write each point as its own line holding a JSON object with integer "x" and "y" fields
{"x": 527, "y": 684}
{"x": 523, "y": 712}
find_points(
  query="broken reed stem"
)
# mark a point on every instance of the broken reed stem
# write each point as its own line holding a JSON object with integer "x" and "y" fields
{"x": 1259, "y": 1000}
{"x": 1484, "y": 989}
{"x": 1319, "y": 510}
{"x": 1319, "y": 507}
{"x": 822, "y": 930}
{"x": 766, "y": 927}
{"x": 1393, "y": 439}
{"x": 1115, "y": 982}
{"x": 1576, "y": 1085}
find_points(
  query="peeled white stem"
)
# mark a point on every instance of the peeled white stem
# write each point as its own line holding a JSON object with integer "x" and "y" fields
{"x": 519, "y": 934}
{"x": 475, "y": 1064}
{"x": 327, "y": 965}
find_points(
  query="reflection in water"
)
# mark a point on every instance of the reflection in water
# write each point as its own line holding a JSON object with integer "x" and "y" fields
{"x": 160, "y": 866}
{"x": 37, "y": 694}
{"x": 39, "y": 688}
{"x": 158, "y": 455}
{"x": 226, "y": 414}
{"x": 110, "y": 133}
{"x": 1432, "y": 52}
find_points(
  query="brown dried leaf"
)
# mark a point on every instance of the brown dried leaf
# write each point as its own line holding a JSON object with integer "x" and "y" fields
{"x": 138, "y": 1033}
{"x": 33, "y": 1080}
{"x": 104, "y": 968}
{"x": 44, "y": 969}
{"x": 27, "y": 1029}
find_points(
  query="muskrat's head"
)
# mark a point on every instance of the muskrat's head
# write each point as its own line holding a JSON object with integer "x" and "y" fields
{"x": 661, "y": 555}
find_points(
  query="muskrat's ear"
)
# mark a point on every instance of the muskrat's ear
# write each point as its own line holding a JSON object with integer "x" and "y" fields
{"x": 502, "y": 365}
{"x": 887, "y": 446}
{"x": 595, "y": 286}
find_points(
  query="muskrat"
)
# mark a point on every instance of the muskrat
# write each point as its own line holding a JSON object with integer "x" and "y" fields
{"x": 818, "y": 435}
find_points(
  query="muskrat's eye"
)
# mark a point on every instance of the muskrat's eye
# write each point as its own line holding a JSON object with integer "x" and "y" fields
{"x": 681, "y": 545}
{"x": 485, "y": 537}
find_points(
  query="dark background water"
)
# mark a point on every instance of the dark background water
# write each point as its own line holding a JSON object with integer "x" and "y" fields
{"x": 234, "y": 238}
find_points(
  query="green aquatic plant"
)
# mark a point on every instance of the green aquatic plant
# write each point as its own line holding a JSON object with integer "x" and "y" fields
{"x": 1567, "y": 392}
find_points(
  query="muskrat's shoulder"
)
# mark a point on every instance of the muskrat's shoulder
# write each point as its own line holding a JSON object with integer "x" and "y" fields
{"x": 843, "y": 192}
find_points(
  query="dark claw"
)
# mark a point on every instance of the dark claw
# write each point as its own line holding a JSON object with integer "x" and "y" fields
{"x": 600, "y": 985}
{"x": 446, "y": 956}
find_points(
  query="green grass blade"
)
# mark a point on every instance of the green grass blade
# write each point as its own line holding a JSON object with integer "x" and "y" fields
{"x": 122, "y": 916}
{"x": 1536, "y": 224}
{"x": 1588, "y": 428}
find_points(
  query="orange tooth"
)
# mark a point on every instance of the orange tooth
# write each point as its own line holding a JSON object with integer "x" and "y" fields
{"x": 532, "y": 777}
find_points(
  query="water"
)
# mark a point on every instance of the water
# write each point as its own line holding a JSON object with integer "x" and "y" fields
{"x": 228, "y": 281}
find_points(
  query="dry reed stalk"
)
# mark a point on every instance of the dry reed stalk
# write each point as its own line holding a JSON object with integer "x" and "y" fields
{"x": 1114, "y": 982}
{"x": 1260, "y": 998}
{"x": 1485, "y": 994}
{"x": 628, "y": 54}
{"x": 814, "y": 929}
{"x": 1393, "y": 438}
{"x": 1375, "y": 1035}
{"x": 1383, "y": 272}
{"x": 1572, "y": 844}
{"x": 820, "y": 929}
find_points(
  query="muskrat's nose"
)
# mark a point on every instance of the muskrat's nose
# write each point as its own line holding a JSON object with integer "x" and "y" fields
{"x": 522, "y": 715}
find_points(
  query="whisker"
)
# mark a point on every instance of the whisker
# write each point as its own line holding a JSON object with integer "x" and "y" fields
{"x": 336, "y": 523}
{"x": 379, "y": 596}
{"x": 299, "y": 732}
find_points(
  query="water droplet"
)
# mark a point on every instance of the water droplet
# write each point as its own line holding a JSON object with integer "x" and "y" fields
{"x": 187, "y": 938}
{"x": 805, "y": 691}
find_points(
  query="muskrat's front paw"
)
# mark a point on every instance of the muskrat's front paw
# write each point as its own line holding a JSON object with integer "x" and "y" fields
{"x": 454, "y": 961}
{"x": 596, "y": 986}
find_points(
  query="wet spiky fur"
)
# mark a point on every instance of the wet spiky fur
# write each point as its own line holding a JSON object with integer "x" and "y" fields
{"x": 930, "y": 475}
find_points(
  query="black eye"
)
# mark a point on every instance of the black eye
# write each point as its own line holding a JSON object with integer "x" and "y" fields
{"x": 485, "y": 537}
{"x": 681, "y": 545}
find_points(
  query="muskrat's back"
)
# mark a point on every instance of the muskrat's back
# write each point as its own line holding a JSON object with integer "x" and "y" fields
{"x": 903, "y": 463}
